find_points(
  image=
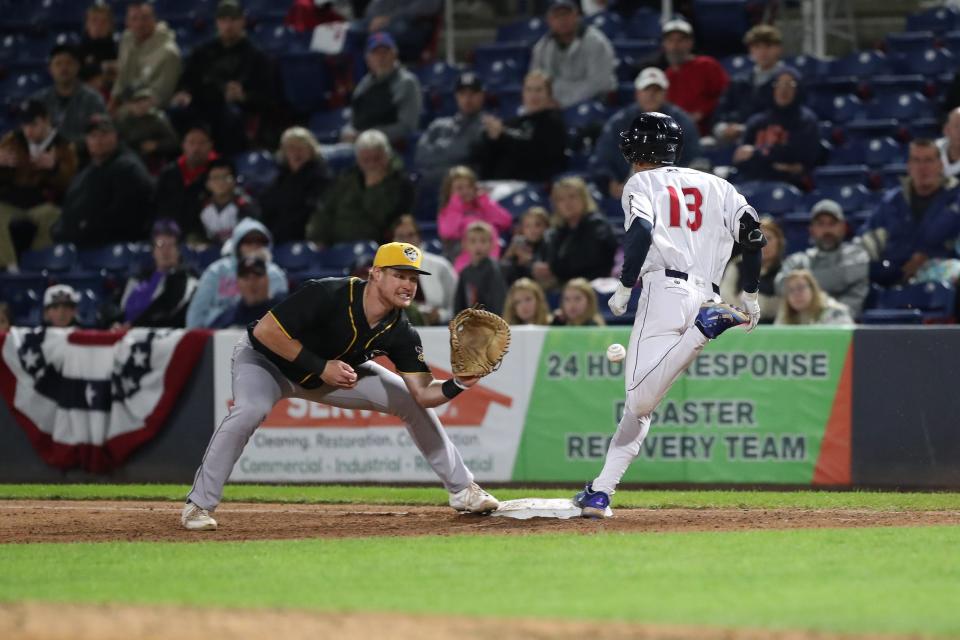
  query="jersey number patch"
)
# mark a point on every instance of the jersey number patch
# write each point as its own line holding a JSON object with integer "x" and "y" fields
{"x": 694, "y": 216}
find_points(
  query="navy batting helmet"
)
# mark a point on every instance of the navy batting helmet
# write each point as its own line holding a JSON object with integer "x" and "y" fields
{"x": 652, "y": 137}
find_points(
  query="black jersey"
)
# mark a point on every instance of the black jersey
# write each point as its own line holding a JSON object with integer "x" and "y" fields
{"x": 327, "y": 317}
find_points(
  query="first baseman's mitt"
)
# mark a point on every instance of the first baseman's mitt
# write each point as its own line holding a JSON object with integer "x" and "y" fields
{"x": 478, "y": 341}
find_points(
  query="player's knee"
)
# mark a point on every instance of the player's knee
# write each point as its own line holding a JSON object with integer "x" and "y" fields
{"x": 254, "y": 410}
{"x": 640, "y": 404}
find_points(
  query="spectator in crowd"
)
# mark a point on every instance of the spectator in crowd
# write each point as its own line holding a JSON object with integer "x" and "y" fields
{"x": 145, "y": 129}
{"x": 227, "y": 205}
{"x": 582, "y": 244}
{"x": 6, "y": 317}
{"x": 227, "y": 82}
{"x": 577, "y": 56}
{"x": 36, "y": 166}
{"x": 412, "y": 23}
{"x": 527, "y": 245}
{"x": 112, "y": 198}
{"x": 387, "y": 98}
{"x": 526, "y": 303}
{"x": 366, "y": 200}
{"x": 298, "y": 190}
{"x": 60, "y": 306}
{"x": 69, "y": 101}
{"x": 911, "y": 236}
{"x": 480, "y": 281}
{"x": 253, "y": 285}
{"x": 463, "y": 202}
{"x": 804, "y": 302}
{"x": 771, "y": 260}
{"x": 217, "y": 289}
{"x": 578, "y": 306}
{"x": 98, "y": 49}
{"x": 782, "y": 143}
{"x": 149, "y": 57}
{"x": 181, "y": 186}
{"x": 159, "y": 296}
{"x": 751, "y": 91}
{"x": 949, "y": 144}
{"x": 651, "y": 92}
{"x": 453, "y": 140}
{"x": 531, "y": 146}
{"x": 438, "y": 290}
{"x": 842, "y": 269}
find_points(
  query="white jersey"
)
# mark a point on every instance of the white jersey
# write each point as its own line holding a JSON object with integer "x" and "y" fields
{"x": 695, "y": 218}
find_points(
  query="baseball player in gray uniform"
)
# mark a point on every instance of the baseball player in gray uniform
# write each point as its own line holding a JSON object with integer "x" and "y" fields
{"x": 318, "y": 344}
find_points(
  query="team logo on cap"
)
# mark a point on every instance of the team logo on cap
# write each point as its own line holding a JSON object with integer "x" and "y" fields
{"x": 411, "y": 253}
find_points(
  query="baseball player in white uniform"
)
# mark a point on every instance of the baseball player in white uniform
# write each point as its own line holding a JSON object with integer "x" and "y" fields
{"x": 681, "y": 225}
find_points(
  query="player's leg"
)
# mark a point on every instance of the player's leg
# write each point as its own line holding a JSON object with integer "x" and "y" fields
{"x": 257, "y": 386}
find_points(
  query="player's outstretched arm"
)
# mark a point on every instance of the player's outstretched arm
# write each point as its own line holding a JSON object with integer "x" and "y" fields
{"x": 430, "y": 392}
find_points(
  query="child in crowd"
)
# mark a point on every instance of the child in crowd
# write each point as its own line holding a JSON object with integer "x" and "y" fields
{"x": 578, "y": 306}
{"x": 480, "y": 281}
{"x": 60, "y": 306}
{"x": 804, "y": 302}
{"x": 527, "y": 245}
{"x": 526, "y": 304}
{"x": 228, "y": 204}
{"x": 462, "y": 202}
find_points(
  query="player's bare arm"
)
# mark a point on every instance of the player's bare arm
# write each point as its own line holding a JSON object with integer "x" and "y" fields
{"x": 429, "y": 392}
{"x": 334, "y": 372}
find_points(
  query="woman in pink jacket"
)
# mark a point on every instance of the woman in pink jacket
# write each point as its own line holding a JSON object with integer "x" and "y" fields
{"x": 462, "y": 203}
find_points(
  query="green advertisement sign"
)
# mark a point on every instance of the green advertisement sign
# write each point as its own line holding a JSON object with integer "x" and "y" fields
{"x": 752, "y": 408}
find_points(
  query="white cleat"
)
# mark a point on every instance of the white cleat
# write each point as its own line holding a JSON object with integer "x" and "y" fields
{"x": 473, "y": 499}
{"x": 196, "y": 519}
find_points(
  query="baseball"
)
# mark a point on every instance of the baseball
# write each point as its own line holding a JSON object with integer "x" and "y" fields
{"x": 616, "y": 352}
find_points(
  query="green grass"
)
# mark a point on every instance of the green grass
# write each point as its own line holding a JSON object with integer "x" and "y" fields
{"x": 894, "y": 580}
{"x": 433, "y": 495}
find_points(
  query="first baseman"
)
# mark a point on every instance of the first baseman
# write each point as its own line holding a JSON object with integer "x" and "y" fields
{"x": 318, "y": 344}
{"x": 681, "y": 226}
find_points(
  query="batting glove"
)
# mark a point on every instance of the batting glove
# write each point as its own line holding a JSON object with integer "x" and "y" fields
{"x": 752, "y": 307}
{"x": 618, "y": 301}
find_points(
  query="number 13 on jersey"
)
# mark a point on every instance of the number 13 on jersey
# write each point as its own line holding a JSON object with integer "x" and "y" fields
{"x": 693, "y": 199}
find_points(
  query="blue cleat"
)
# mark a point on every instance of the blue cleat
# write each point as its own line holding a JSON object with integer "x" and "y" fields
{"x": 593, "y": 504}
{"x": 716, "y": 317}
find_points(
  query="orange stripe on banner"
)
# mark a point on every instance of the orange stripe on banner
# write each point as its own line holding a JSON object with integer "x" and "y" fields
{"x": 833, "y": 466}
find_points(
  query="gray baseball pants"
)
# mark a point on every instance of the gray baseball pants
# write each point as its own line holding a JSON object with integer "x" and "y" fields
{"x": 258, "y": 385}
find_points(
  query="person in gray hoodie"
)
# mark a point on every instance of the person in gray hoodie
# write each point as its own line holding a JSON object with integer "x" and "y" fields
{"x": 149, "y": 57}
{"x": 217, "y": 290}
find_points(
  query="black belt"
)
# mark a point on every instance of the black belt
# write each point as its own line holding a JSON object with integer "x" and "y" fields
{"x": 672, "y": 273}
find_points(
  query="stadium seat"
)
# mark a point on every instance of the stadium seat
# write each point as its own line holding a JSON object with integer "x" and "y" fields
{"x": 720, "y": 25}
{"x": 852, "y": 197}
{"x": 840, "y": 175}
{"x": 796, "y": 231}
{"x": 585, "y": 116}
{"x": 938, "y": 20}
{"x": 518, "y": 202}
{"x": 187, "y": 10}
{"x": 772, "y": 198}
{"x": 278, "y": 39}
{"x": 925, "y": 128}
{"x": 836, "y": 108}
{"x": 934, "y": 299}
{"x": 92, "y": 282}
{"x": 115, "y": 259}
{"x": 509, "y": 100}
{"x": 293, "y": 257}
{"x": 306, "y": 82}
{"x": 199, "y": 259}
{"x": 908, "y": 41}
{"x": 891, "y": 174}
{"x": 327, "y": 124}
{"x": 19, "y": 86}
{"x": 344, "y": 255}
{"x": 24, "y": 294}
{"x": 55, "y": 259}
{"x": 896, "y": 84}
{"x": 611, "y": 24}
{"x": 737, "y": 64}
{"x": 874, "y": 152}
{"x": 930, "y": 61}
{"x": 266, "y": 9}
{"x": 437, "y": 75}
{"x": 635, "y": 49}
{"x": 861, "y": 64}
{"x": 526, "y": 31}
{"x": 502, "y": 73}
{"x": 866, "y": 129}
{"x": 951, "y": 40}
{"x": 644, "y": 24}
{"x": 256, "y": 170}
{"x": 810, "y": 67}
{"x": 891, "y": 316}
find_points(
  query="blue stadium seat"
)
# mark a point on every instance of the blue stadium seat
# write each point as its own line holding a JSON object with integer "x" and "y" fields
{"x": 891, "y": 316}
{"x": 24, "y": 294}
{"x": 256, "y": 170}
{"x": 187, "y": 10}
{"x": 861, "y": 64}
{"x": 891, "y": 174}
{"x": 810, "y": 67}
{"x": 306, "y": 82}
{"x": 88, "y": 309}
{"x": 266, "y": 9}
{"x": 852, "y": 197}
{"x": 526, "y": 31}
{"x": 438, "y": 75}
{"x": 199, "y": 259}
{"x": 518, "y": 202}
{"x": 91, "y": 282}
{"x": 432, "y": 245}
{"x": 611, "y": 24}
{"x": 509, "y": 100}
{"x": 900, "y": 106}
{"x": 486, "y": 57}
{"x": 907, "y": 41}
{"x": 344, "y": 255}
{"x": 115, "y": 259}
{"x": 278, "y": 39}
{"x": 720, "y": 24}
{"x": 925, "y": 128}
{"x": 501, "y": 73}
{"x": 874, "y": 152}
{"x": 929, "y": 61}
{"x": 905, "y": 83}
{"x": 836, "y": 108}
{"x": 934, "y": 299}
{"x": 327, "y": 125}
{"x": 635, "y": 49}
{"x": 294, "y": 257}
{"x": 938, "y": 20}
{"x": 737, "y": 64}
{"x": 866, "y": 129}
{"x": 339, "y": 158}
{"x": 840, "y": 175}
{"x": 951, "y": 40}
{"x": 643, "y": 24}
{"x": 585, "y": 115}
{"x": 55, "y": 259}
{"x": 772, "y": 198}
{"x": 19, "y": 86}
{"x": 796, "y": 231}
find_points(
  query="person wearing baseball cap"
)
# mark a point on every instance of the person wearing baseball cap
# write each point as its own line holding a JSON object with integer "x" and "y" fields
{"x": 319, "y": 344}
{"x": 60, "y": 306}
{"x": 69, "y": 101}
{"x": 841, "y": 268}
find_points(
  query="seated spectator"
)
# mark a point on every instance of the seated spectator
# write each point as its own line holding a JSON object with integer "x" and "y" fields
{"x": 437, "y": 291}
{"x": 412, "y": 23}
{"x": 60, "y": 306}
{"x": 480, "y": 281}
{"x": 148, "y": 57}
{"x": 526, "y": 303}
{"x": 111, "y": 199}
{"x": 145, "y": 129}
{"x": 949, "y": 144}
{"x": 607, "y": 160}
{"x": 6, "y": 317}
{"x": 529, "y": 147}
{"x": 159, "y": 296}
{"x": 842, "y": 269}
{"x": 804, "y": 302}
{"x": 751, "y": 91}
{"x": 462, "y": 203}
{"x": 782, "y": 143}
{"x": 771, "y": 260}
{"x": 255, "y": 300}
{"x": 98, "y": 49}
{"x": 387, "y": 98}
{"x": 366, "y": 200}
{"x": 527, "y": 245}
{"x": 181, "y": 186}
{"x": 69, "y": 101}
{"x": 227, "y": 205}
{"x": 217, "y": 289}
{"x": 577, "y": 56}
{"x": 36, "y": 166}
{"x": 451, "y": 141}
{"x": 582, "y": 244}
{"x": 297, "y": 191}
{"x": 227, "y": 82}
{"x": 578, "y": 306}
{"x": 911, "y": 236}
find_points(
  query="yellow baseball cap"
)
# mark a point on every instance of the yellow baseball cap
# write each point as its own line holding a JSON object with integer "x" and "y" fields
{"x": 399, "y": 255}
